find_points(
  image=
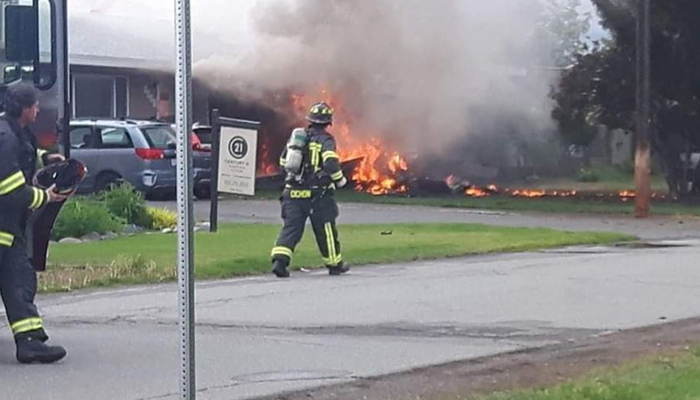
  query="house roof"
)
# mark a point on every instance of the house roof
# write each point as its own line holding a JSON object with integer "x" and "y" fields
{"x": 113, "y": 41}
{"x": 134, "y": 41}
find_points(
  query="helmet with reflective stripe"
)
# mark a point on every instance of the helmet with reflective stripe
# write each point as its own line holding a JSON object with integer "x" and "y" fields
{"x": 320, "y": 113}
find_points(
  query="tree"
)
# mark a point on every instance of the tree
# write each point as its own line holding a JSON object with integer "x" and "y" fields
{"x": 601, "y": 86}
{"x": 563, "y": 31}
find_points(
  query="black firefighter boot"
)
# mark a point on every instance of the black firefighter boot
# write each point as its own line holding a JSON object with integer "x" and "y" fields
{"x": 32, "y": 348}
{"x": 338, "y": 269}
{"x": 279, "y": 268}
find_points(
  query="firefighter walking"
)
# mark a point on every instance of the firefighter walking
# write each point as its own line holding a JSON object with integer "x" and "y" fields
{"x": 313, "y": 173}
{"x": 18, "y": 280}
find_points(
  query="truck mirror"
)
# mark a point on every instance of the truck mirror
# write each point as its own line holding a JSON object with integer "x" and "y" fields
{"x": 21, "y": 34}
{"x": 11, "y": 74}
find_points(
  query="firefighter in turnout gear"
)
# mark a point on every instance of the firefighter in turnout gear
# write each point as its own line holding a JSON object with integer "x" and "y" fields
{"x": 313, "y": 173}
{"x": 19, "y": 159}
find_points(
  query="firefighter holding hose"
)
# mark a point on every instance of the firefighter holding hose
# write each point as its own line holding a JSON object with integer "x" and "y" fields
{"x": 19, "y": 158}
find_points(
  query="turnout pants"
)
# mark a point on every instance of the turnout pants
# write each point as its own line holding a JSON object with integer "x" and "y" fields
{"x": 18, "y": 284}
{"x": 321, "y": 208}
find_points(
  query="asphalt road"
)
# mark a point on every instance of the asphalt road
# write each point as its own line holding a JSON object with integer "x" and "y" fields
{"x": 256, "y": 211}
{"x": 261, "y": 336}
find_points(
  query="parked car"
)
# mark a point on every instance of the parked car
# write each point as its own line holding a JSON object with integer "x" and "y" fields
{"x": 201, "y": 154}
{"x": 139, "y": 152}
{"x": 202, "y": 137}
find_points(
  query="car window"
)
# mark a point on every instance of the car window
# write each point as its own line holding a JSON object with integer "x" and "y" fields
{"x": 115, "y": 138}
{"x": 81, "y": 137}
{"x": 159, "y": 137}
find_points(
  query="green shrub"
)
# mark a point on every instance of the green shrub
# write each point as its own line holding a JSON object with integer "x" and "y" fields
{"x": 126, "y": 203}
{"x": 161, "y": 218}
{"x": 586, "y": 175}
{"x": 81, "y": 216}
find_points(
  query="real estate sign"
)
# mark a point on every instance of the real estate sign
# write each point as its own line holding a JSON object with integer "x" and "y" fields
{"x": 237, "y": 160}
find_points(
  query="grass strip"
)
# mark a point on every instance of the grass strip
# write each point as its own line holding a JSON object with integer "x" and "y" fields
{"x": 244, "y": 249}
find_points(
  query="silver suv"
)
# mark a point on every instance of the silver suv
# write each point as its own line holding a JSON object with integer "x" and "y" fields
{"x": 139, "y": 152}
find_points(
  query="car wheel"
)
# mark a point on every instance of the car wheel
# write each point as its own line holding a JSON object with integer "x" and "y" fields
{"x": 106, "y": 180}
{"x": 202, "y": 192}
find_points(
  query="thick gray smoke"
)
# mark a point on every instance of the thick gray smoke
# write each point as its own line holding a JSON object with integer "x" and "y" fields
{"x": 469, "y": 76}
{"x": 429, "y": 72}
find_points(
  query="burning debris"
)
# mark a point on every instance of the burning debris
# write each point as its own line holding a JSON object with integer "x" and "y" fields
{"x": 379, "y": 166}
{"x": 492, "y": 190}
{"x": 403, "y": 117}
{"x": 377, "y": 170}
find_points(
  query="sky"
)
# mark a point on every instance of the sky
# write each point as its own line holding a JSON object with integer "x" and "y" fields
{"x": 597, "y": 31}
{"x": 227, "y": 21}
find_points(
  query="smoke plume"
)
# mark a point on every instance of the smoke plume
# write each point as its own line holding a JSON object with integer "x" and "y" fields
{"x": 429, "y": 72}
{"x": 468, "y": 76}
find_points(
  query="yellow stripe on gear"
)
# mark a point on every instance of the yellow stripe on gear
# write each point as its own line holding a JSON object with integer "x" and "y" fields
{"x": 11, "y": 183}
{"x": 282, "y": 251}
{"x": 337, "y": 176}
{"x": 333, "y": 257}
{"x": 328, "y": 244}
{"x": 35, "y": 199}
{"x": 27, "y": 325}
{"x": 6, "y": 239}
{"x": 315, "y": 149}
{"x": 40, "y": 153}
{"x": 38, "y": 199}
{"x": 328, "y": 155}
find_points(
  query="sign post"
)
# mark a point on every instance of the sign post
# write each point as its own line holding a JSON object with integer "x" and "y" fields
{"x": 185, "y": 220}
{"x": 234, "y": 160}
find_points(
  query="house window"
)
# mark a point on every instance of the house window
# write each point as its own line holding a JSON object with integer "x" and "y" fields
{"x": 100, "y": 96}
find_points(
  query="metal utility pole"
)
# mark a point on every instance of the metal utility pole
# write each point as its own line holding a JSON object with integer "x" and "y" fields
{"x": 642, "y": 163}
{"x": 185, "y": 227}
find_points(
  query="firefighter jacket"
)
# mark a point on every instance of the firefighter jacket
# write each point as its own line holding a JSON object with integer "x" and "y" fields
{"x": 18, "y": 163}
{"x": 322, "y": 167}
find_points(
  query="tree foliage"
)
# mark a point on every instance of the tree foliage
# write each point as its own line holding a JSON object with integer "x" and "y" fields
{"x": 600, "y": 87}
{"x": 563, "y": 30}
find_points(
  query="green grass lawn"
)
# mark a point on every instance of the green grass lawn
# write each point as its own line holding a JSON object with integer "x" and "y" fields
{"x": 566, "y": 205}
{"x": 612, "y": 179}
{"x": 668, "y": 378}
{"x": 243, "y": 249}
{"x": 555, "y": 205}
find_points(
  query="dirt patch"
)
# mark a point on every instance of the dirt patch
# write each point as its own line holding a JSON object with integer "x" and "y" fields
{"x": 541, "y": 367}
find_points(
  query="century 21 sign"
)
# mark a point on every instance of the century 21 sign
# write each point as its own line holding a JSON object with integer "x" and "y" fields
{"x": 237, "y": 160}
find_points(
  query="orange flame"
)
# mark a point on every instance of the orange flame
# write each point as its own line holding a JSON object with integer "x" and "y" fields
{"x": 476, "y": 192}
{"x": 377, "y": 166}
{"x": 625, "y": 195}
{"x": 564, "y": 193}
{"x": 528, "y": 193}
{"x": 267, "y": 167}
